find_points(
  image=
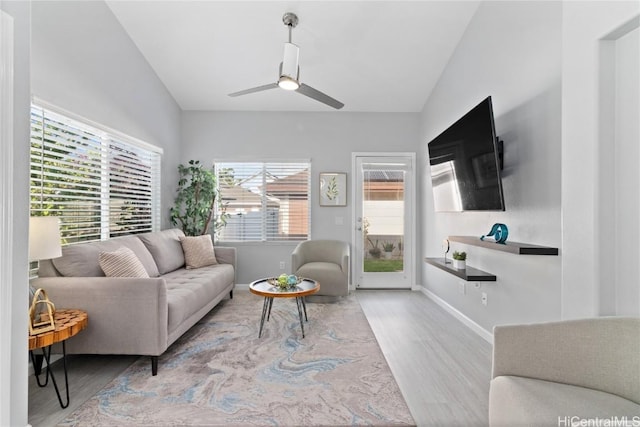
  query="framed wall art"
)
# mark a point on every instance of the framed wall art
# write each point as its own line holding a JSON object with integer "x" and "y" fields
{"x": 333, "y": 189}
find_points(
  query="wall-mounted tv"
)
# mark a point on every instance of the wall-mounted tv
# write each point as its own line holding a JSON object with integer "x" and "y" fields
{"x": 465, "y": 164}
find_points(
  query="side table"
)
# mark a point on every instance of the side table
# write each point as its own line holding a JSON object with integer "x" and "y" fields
{"x": 68, "y": 322}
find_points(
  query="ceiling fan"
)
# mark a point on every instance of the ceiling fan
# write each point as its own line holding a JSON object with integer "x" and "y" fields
{"x": 289, "y": 77}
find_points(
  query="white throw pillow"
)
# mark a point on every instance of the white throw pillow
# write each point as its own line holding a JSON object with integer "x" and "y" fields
{"x": 198, "y": 251}
{"x": 122, "y": 262}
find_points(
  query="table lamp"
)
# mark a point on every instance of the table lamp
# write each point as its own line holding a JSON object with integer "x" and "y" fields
{"x": 44, "y": 238}
{"x": 44, "y": 243}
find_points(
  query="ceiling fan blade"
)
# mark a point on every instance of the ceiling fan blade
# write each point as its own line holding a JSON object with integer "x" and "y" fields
{"x": 319, "y": 96}
{"x": 255, "y": 89}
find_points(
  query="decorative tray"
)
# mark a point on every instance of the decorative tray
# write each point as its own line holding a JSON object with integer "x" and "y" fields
{"x": 291, "y": 282}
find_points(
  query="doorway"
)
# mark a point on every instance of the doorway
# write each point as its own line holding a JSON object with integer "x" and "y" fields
{"x": 384, "y": 218}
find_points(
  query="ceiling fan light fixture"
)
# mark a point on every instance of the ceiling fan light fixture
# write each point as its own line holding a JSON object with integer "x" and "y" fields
{"x": 290, "y": 72}
{"x": 287, "y": 83}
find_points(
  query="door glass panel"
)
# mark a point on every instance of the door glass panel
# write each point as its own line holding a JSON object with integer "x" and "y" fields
{"x": 383, "y": 213}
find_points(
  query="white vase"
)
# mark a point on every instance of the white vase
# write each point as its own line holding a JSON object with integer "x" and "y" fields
{"x": 459, "y": 264}
{"x": 387, "y": 255}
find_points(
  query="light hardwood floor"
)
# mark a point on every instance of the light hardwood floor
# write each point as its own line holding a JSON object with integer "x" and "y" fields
{"x": 443, "y": 368}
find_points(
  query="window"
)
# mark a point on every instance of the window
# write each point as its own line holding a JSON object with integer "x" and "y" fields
{"x": 100, "y": 184}
{"x": 265, "y": 201}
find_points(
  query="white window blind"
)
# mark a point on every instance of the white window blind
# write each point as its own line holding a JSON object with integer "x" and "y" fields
{"x": 98, "y": 183}
{"x": 265, "y": 201}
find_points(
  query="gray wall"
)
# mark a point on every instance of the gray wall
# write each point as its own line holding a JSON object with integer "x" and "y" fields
{"x": 75, "y": 55}
{"x": 511, "y": 51}
{"x": 84, "y": 62}
{"x": 327, "y": 139}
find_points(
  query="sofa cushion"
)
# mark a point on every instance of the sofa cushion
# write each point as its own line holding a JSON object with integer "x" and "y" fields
{"x": 519, "y": 401}
{"x": 121, "y": 263}
{"x": 166, "y": 248}
{"x": 198, "y": 251}
{"x": 83, "y": 260}
{"x": 190, "y": 290}
{"x": 330, "y": 275}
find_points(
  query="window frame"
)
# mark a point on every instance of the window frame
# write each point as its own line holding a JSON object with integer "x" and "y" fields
{"x": 264, "y": 166}
{"x": 117, "y": 150}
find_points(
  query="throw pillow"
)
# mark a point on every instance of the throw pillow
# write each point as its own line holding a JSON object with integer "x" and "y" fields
{"x": 198, "y": 251}
{"x": 122, "y": 262}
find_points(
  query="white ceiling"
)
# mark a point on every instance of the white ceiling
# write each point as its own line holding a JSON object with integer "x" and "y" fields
{"x": 374, "y": 56}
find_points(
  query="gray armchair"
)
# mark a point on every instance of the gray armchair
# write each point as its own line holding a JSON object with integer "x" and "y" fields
{"x": 558, "y": 373}
{"x": 326, "y": 261}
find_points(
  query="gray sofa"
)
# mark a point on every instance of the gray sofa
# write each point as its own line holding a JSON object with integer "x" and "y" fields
{"x": 560, "y": 373}
{"x": 139, "y": 316}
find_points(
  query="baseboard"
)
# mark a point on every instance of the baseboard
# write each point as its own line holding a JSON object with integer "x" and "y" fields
{"x": 483, "y": 333}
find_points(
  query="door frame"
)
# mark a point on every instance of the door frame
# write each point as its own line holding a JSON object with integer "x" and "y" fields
{"x": 354, "y": 197}
{"x": 8, "y": 328}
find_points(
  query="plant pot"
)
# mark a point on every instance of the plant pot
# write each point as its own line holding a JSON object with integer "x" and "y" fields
{"x": 387, "y": 255}
{"x": 459, "y": 264}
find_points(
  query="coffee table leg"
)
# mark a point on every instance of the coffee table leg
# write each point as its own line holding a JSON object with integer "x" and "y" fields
{"x": 265, "y": 306}
{"x": 299, "y": 303}
{"x": 269, "y": 311}
{"x": 304, "y": 306}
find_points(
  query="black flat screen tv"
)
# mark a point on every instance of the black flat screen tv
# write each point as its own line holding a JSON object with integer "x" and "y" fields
{"x": 465, "y": 162}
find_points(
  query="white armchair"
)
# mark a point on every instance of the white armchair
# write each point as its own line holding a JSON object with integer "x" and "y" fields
{"x": 325, "y": 261}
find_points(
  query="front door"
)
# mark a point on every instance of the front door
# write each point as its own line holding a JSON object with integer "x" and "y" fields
{"x": 384, "y": 220}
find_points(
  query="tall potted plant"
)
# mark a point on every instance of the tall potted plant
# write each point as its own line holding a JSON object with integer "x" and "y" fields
{"x": 198, "y": 206}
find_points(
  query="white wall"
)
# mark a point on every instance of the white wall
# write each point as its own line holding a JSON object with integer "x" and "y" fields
{"x": 327, "y": 139}
{"x": 511, "y": 51}
{"x": 587, "y": 171}
{"x": 13, "y": 338}
{"x": 627, "y": 208}
{"x": 84, "y": 62}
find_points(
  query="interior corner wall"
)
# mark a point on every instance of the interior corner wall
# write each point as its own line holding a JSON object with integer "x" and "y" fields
{"x": 511, "y": 51}
{"x": 16, "y": 389}
{"x": 327, "y": 139}
{"x": 84, "y": 62}
{"x": 588, "y": 157}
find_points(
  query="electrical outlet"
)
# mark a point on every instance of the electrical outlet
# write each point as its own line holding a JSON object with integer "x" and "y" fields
{"x": 484, "y": 298}
{"x": 281, "y": 265}
{"x": 462, "y": 288}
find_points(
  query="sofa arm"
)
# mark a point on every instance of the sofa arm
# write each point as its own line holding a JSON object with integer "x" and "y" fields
{"x": 226, "y": 255}
{"x": 600, "y": 353}
{"x": 126, "y": 315}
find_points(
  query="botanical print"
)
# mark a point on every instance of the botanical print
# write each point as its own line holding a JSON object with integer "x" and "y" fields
{"x": 333, "y": 189}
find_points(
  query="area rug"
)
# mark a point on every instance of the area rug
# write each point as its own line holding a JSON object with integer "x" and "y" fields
{"x": 221, "y": 374}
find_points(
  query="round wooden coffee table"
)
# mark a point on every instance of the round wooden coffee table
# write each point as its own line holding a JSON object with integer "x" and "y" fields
{"x": 263, "y": 288}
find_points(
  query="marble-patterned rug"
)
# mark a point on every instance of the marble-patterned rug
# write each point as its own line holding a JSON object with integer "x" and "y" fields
{"x": 220, "y": 373}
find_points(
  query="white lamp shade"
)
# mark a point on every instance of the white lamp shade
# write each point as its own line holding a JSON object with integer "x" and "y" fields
{"x": 44, "y": 238}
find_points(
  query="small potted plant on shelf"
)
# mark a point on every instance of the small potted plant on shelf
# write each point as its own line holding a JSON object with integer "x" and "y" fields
{"x": 459, "y": 260}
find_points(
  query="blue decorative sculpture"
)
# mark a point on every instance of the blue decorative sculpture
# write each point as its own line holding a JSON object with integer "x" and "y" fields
{"x": 500, "y": 232}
